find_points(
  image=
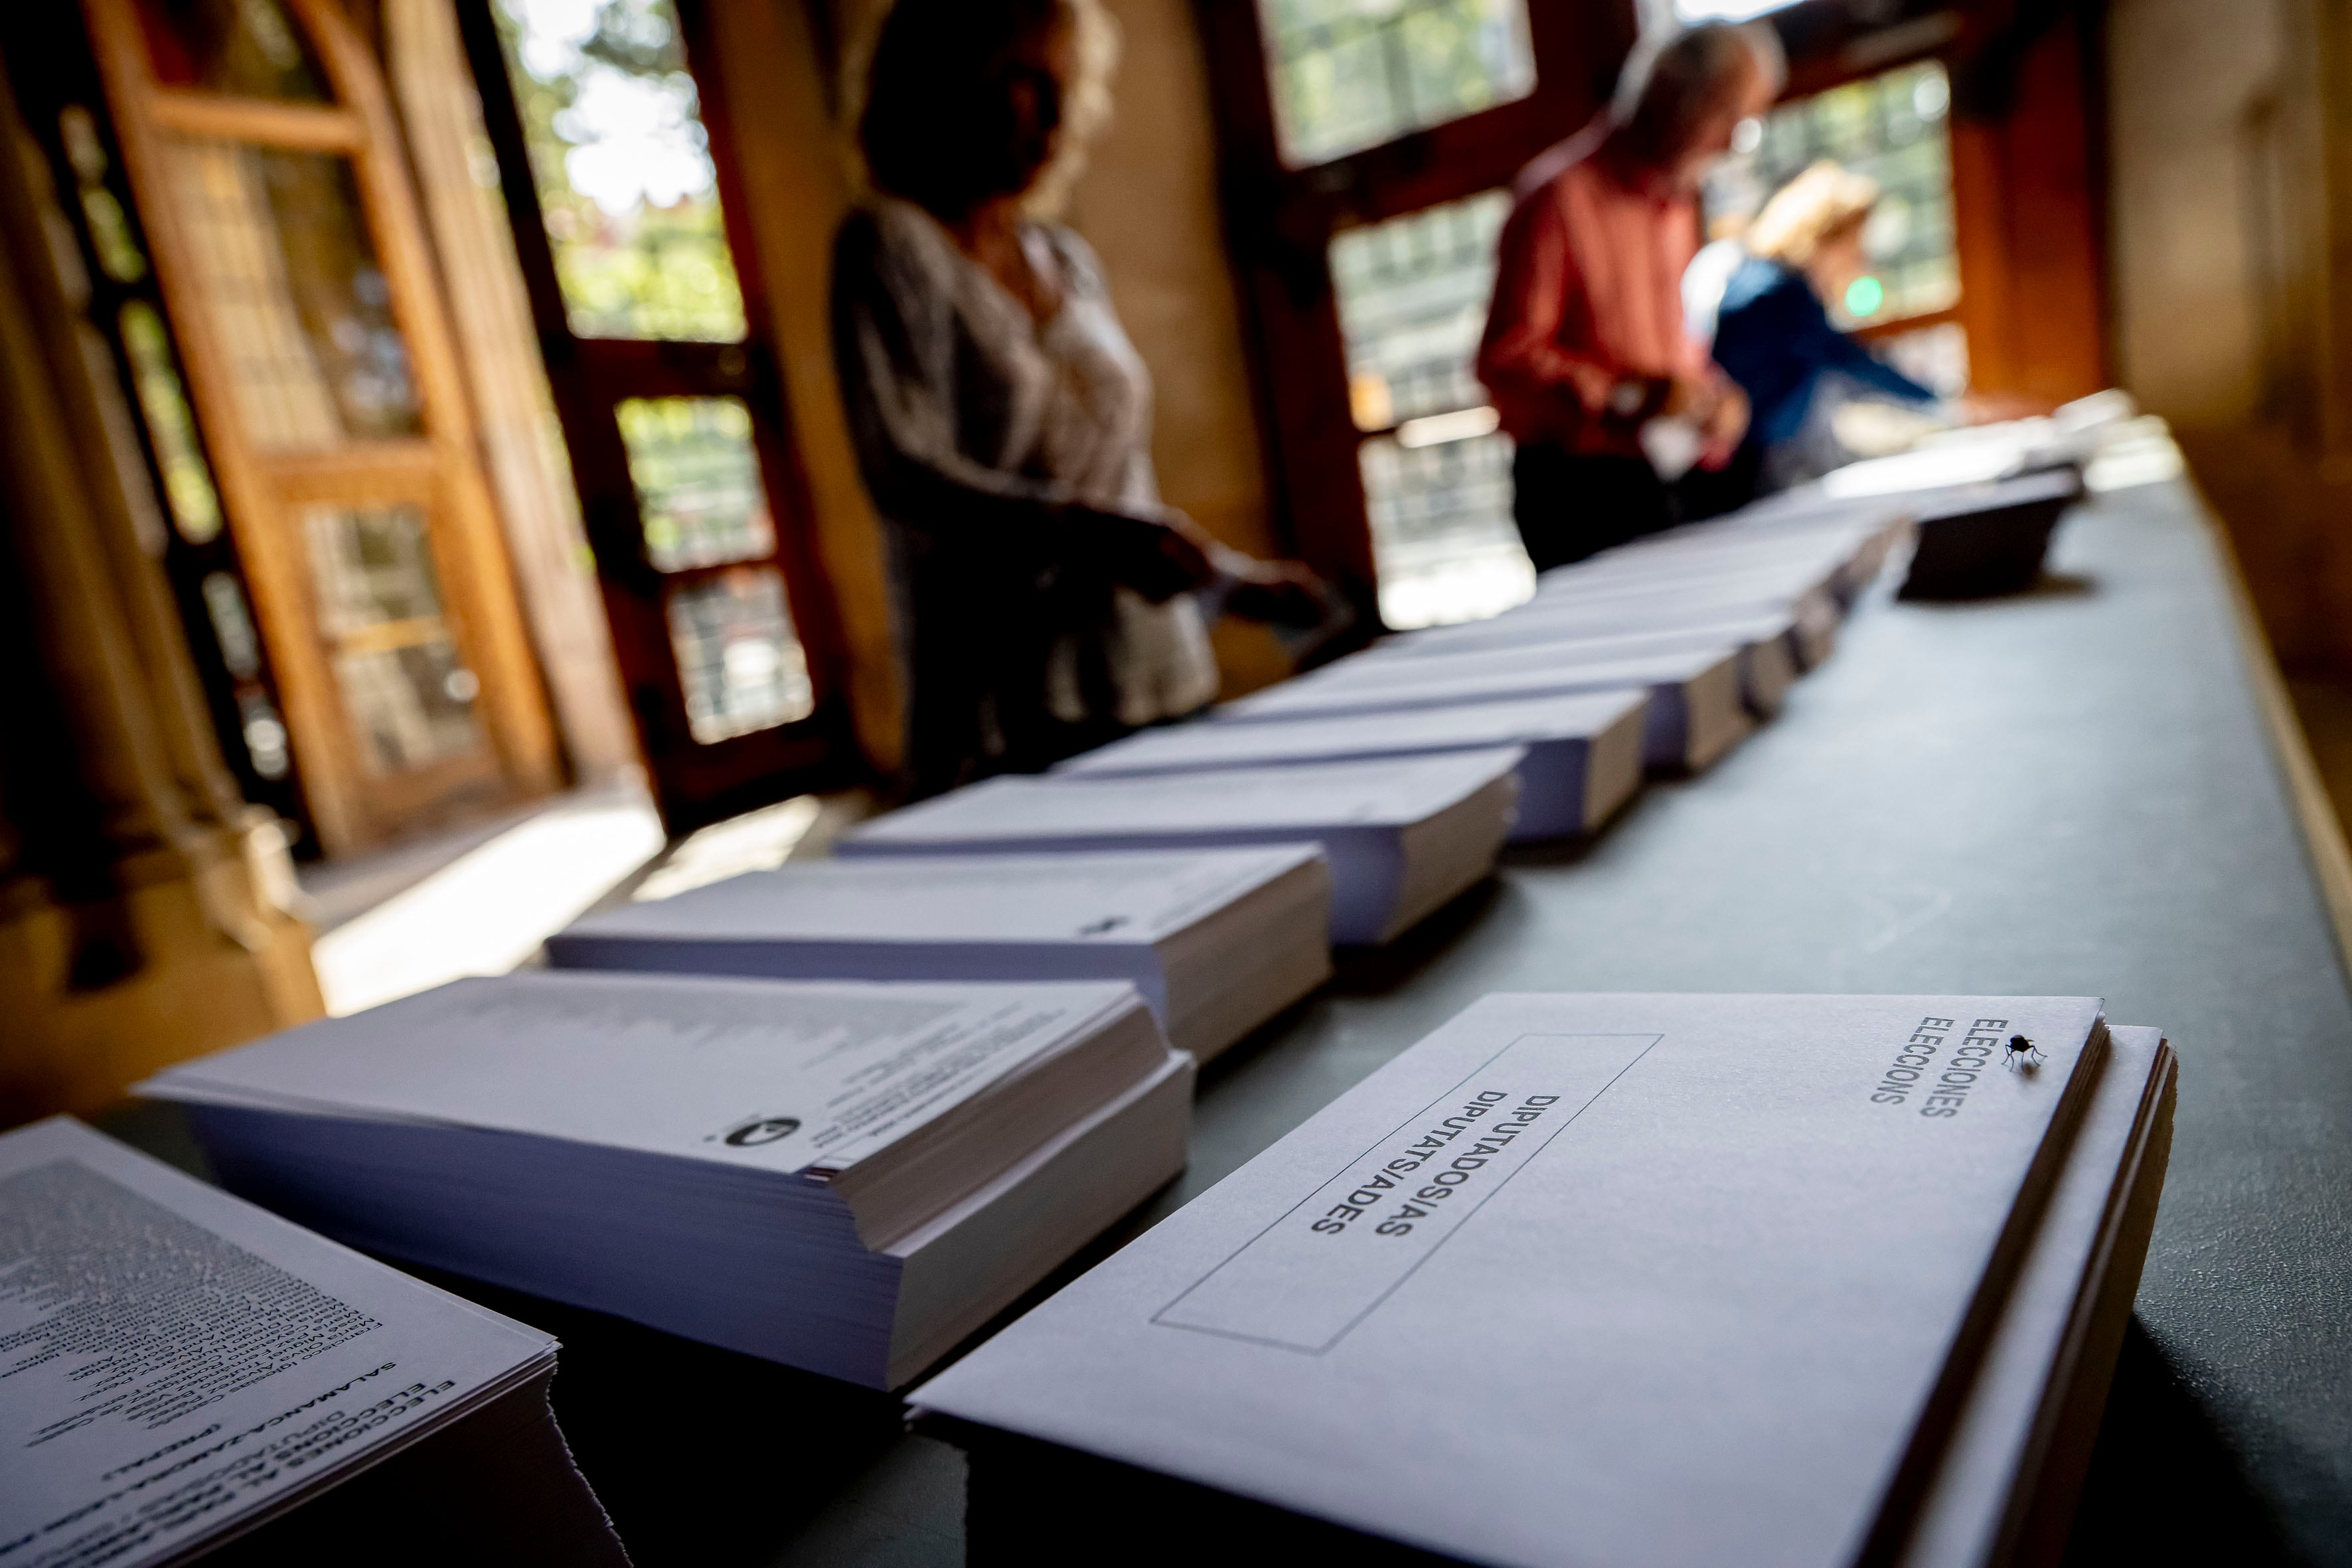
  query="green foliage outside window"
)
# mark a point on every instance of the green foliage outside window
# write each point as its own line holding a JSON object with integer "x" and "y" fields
{"x": 622, "y": 168}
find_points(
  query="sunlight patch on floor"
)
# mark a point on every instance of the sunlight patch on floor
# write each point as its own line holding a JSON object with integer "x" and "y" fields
{"x": 487, "y": 912}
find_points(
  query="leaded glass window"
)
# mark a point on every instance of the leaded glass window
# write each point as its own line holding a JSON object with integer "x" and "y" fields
{"x": 1351, "y": 74}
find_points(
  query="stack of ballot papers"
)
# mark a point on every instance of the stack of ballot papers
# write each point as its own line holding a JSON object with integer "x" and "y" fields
{"x": 1582, "y": 752}
{"x": 1840, "y": 547}
{"x": 1616, "y": 1281}
{"x": 1810, "y": 624}
{"x": 1981, "y": 454}
{"x": 1218, "y": 941}
{"x": 1773, "y": 651}
{"x": 182, "y": 1375}
{"x": 1401, "y": 835}
{"x": 1696, "y": 711}
{"x": 1982, "y": 539}
{"x": 844, "y": 1177}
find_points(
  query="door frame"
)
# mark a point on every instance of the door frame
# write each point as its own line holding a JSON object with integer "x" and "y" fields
{"x": 439, "y": 472}
{"x": 694, "y": 781}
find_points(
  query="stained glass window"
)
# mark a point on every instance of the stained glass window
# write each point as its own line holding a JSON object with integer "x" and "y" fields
{"x": 409, "y": 694}
{"x": 296, "y": 294}
{"x": 737, "y": 657}
{"x": 172, "y": 429}
{"x": 1413, "y": 296}
{"x": 108, "y": 225}
{"x": 1351, "y": 74}
{"x": 622, "y": 168}
{"x": 698, "y": 481}
{"x": 248, "y": 48}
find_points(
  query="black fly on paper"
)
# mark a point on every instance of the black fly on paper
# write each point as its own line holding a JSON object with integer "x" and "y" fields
{"x": 2023, "y": 1053}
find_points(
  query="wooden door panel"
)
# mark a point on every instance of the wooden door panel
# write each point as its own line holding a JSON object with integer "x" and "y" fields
{"x": 322, "y": 372}
{"x": 725, "y": 634}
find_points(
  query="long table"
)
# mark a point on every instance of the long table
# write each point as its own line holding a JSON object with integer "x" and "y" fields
{"x": 2074, "y": 791}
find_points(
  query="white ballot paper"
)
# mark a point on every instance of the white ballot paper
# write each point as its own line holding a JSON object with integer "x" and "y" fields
{"x": 841, "y": 1176}
{"x": 2005, "y": 1489}
{"x": 1814, "y": 623}
{"x": 1217, "y": 939}
{"x": 1629, "y": 1281}
{"x": 177, "y": 1366}
{"x": 1696, "y": 708}
{"x": 1583, "y": 750}
{"x": 1772, "y": 653}
{"x": 1401, "y": 835}
{"x": 1694, "y": 579}
{"x": 1852, "y": 544}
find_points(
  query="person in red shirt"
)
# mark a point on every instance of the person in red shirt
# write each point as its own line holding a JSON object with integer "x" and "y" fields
{"x": 1623, "y": 425}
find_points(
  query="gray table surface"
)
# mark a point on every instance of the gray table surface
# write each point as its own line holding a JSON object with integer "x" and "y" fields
{"x": 2069, "y": 792}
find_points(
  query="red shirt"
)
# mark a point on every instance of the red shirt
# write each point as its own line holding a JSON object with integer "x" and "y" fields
{"x": 1588, "y": 296}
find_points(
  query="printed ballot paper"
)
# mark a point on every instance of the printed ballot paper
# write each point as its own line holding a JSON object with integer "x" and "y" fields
{"x": 2005, "y": 1489}
{"x": 1771, "y": 651}
{"x": 1808, "y": 628}
{"x": 1582, "y": 761}
{"x": 1621, "y": 1281}
{"x": 844, "y": 1177}
{"x": 1218, "y": 941}
{"x": 1696, "y": 709}
{"x": 1401, "y": 835}
{"x": 179, "y": 1370}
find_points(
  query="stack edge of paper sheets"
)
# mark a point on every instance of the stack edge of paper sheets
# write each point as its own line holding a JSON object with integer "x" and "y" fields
{"x": 1634, "y": 1281}
{"x": 844, "y": 1177}
{"x": 186, "y": 1371}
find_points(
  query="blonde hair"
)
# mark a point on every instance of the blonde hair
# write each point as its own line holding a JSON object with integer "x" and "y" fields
{"x": 1817, "y": 206}
{"x": 1086, "y": 98}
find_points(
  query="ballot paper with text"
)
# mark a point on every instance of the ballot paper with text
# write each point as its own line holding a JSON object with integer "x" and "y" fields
{"x": 1698, "y": 708}
{"x": 1217, "y": 939}
{"x": 178, "y": 1367}
{"x": 1401, "y": 835}
{"x": 841, "y": 1176}
{"x": 1583, "y": 750}
{"x": 1585, "y": 1279}
{"x": 2004, "y": 1490}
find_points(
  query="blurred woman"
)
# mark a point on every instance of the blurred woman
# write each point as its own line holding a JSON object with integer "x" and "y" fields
{"x": 1046, "y": 599}
{"x": 1773, "y": 333}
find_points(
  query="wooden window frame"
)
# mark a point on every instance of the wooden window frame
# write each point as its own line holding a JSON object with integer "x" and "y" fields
{"x": 695, "y": 783}
{"x": 260, "y": 492}
{"x": 1280, "y": 220}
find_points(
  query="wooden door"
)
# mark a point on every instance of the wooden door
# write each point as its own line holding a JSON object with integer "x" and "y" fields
{"x": 613, "y": 157}
{"x": 266, "y": 168}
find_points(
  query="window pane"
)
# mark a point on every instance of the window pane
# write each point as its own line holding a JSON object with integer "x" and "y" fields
{"x": 292, "y": 286}
{"x": 698, "y": 481}
{"x": 1442, "y": 530}
{"x": 623, "y": 169}
{"x": 1896, "y": 129}
{"x": 1351, "y": 74}
{"x": 737, "y": 657}
{"x": 409, "y": 695}
{"x": 248, "y": 48}
{"x": 264, "y": 731}
{"x": 1413, "y": 296}
{"x": 1412, "y": 302}
{"x": 171, "y": 428}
